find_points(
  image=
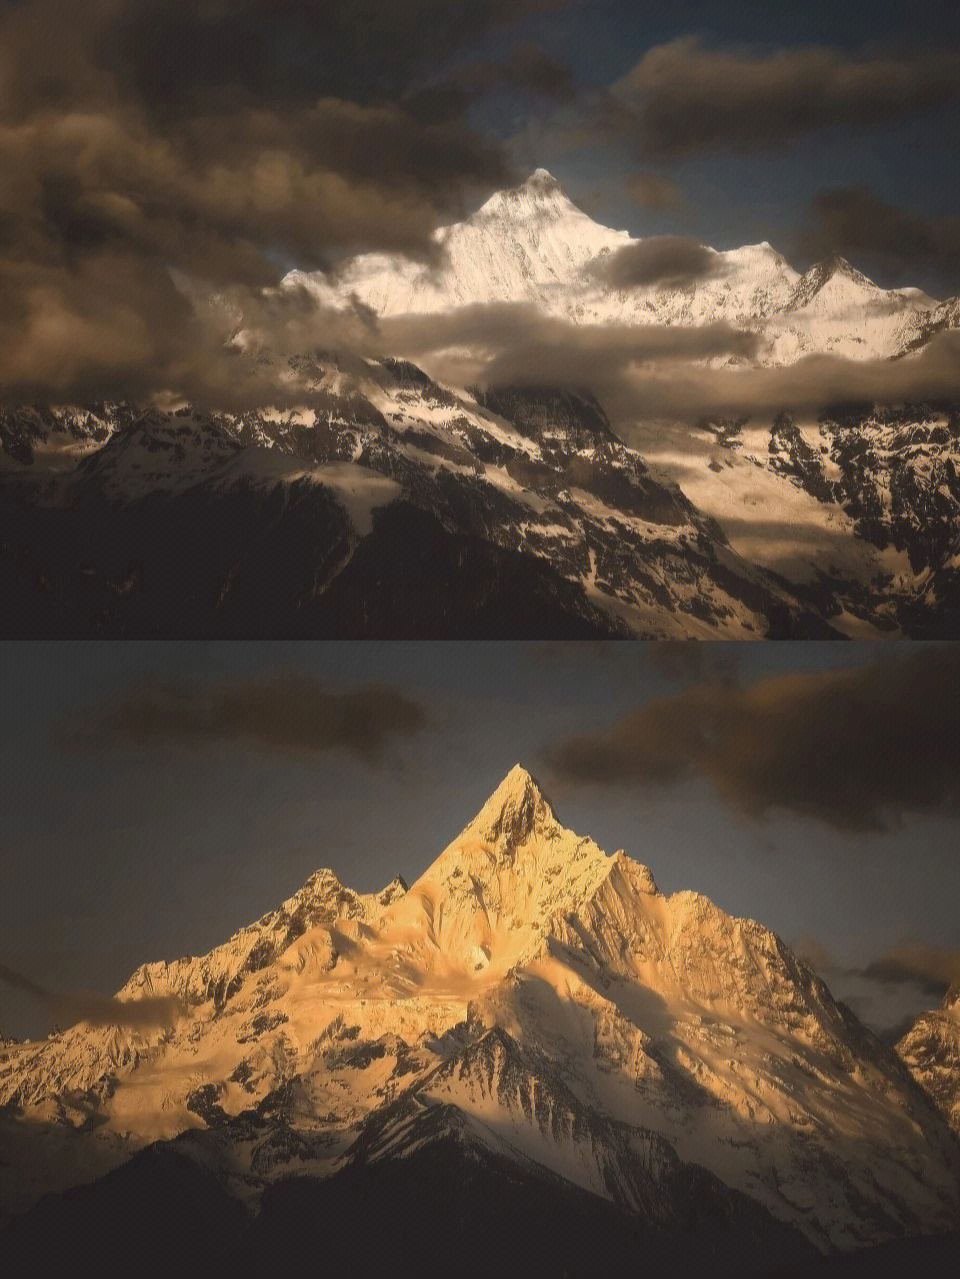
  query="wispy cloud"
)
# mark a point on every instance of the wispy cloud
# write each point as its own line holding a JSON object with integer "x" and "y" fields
{"x": 147, "y": 1013}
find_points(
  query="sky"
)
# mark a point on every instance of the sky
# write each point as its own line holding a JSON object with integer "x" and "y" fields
{"x": 734, "y": 188}
{"x": 156, "y": 154}
{"x": 158, "y": 797}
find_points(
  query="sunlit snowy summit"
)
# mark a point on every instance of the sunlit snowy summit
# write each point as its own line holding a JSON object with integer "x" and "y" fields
{"x": 530, "y": 1005}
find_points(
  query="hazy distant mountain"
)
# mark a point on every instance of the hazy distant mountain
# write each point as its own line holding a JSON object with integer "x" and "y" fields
{"x": 530, "y": 1014}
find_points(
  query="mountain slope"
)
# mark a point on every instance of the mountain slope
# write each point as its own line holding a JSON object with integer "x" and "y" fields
{"x": 531, "y": 997}
{"x": 401, "y": 508}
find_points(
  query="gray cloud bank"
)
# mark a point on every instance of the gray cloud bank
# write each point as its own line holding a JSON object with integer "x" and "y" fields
{"x": 650, "y": 372}
{"x": 683, "y": 96}
{"x": 510, "y": 343}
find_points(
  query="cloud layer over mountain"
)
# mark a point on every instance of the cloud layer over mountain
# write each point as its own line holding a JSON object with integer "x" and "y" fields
{"x": 151, "y": 155}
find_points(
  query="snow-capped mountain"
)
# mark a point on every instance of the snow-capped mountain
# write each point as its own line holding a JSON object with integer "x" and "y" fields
{"x": 394, "y": 504}
{"x": 528, "y": 1004}
{"x": 532, "y": 244}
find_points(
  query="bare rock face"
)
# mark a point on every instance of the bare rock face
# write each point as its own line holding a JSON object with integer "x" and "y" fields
{"x": 531, "y": 1003}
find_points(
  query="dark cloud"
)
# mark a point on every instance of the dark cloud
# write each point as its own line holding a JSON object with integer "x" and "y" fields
{"x": 671, "y": 261}
{"x": 147, "y": 1013}
{"x": 936, "y": 968}
{"x": 185, "y": 57}
{"x": 856, "y": 748}
{"x": 287, "y": 713}
{"x": 222, "y": 142}
{"x": 858, "y": 224}
{"x": 682, "y": 97}
{"x": 96, "y": 209}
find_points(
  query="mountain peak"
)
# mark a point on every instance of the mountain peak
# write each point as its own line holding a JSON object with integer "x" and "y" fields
{"x": 396, "y": 889}
{"x": 836, "y": 264}
{"x": 539, "y": 196}
{"x": 542, "y": 180}
{"x": 832, "y": 268}
{"x": 516, "y": 809}
{"x": 517, "y": 778}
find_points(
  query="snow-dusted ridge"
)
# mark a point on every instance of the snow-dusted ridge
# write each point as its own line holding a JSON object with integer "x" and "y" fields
{"x": 535, "y": 992}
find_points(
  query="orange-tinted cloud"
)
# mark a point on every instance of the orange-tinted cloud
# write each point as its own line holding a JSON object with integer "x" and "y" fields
{"x": 147, "y": 1013}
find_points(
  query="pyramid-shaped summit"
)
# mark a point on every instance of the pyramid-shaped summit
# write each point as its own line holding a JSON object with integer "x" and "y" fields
{"x": 540, "y": 195}
{"x": 834, "y": 280}
{"x": 516, "y": 810}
